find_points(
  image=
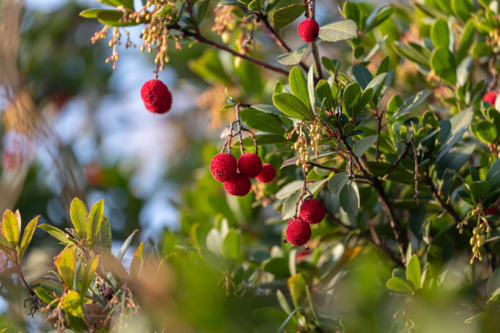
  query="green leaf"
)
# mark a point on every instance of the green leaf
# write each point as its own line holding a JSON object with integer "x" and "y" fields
{"x": 325, "y": 93}
{"x": 65, "y": 263}
{"x": 349, "y": 198}
{"x": 297, "y": 286}
{"x": 310, "y": 89}
{"x": 298, "y": 84}
{"x": 114, "y": 18}
{"x": 276, "y": 266}
{"x": 292, "y": 106}
{"x": 466, "y": 41}
{"x": 337, "y": 182}
{"x": 362, "y": 75}
{"x": 95, "y": 220}
{"x": 397, "y": 284}
{"x": 413, "y": 273}
{"x": 286, "y": 15}
{"x": 493, "y": 285}
{"x": 79, "y": 217}
{"x": 136, "y": 264}
{"x": 329, "y": 65}
{"x": 479, "y": 189}
{"x": 351, "y": 99}
{"x": 294, "y": 57}
{"x": 56, "y": 233}
{"x": 364, "y": 144}
{"x": 10, "y": 228}
{"x": 71, "y": 304}
{"x": 440, "y": 34}
{"x": 262, "y": 121}
{"x": 378, "y": 17}
{"x": 348, "y": 128}
{"x": 27, "y": 236}
{"x": 481, "y": 49}
{"x": 411, "y": 103}
{"x": 351, "y": 11}
{"x": 339, "y": 30}
{"x": 462, "y": 9}
{"x": 91, "y": 13}
{"x": 103, "y": 239}
{"x": 444, "y": 65}
{"x": 231, "y": 247}
{"x": 269, "y": 109}
{"x": 411, "y": 54}
{"x": 487, "y": 132}
{"x": 89, "y": 275}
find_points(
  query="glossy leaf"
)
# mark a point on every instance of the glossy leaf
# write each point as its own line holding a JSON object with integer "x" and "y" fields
{"x": 95, "y": 220}
{"x": 79, "y": 217}
{"x": 292, "y": 106}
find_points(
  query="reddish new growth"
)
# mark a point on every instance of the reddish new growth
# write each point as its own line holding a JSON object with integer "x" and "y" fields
{"x": 308, "y": 30}
{"x": 312, "y": 211}
{"x": 490, "y": 97}
{"x": 298, "y": 232}
{"x": 223, "y": 167}
{"x": 250, "y": 165}
{"x": 156, "y": 96}
{"x": 239, "y": 186}
{"x": 267, "y": 174}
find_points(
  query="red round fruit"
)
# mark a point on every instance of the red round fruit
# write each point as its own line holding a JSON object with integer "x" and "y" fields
{"x": 491, "y": 211}
{"x": 156, "y": 96}
{"x": 223, "y": 167}
{"x": 267, "y": 174}
{"x": 490, "y": 97}
{"x": 239, "y": 186}
{"x": 308, "y": 30}
{"x": 250, "y": 164}
{"x": 312, "y": 211}
{"x": 298, "y": 232}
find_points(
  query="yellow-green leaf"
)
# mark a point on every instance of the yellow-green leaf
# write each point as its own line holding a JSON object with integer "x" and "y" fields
{"x": 65, "y": 263}
{"x": 10, "y": 228}
{"x": 136, "y": 264}
{"x": 71, "y": 304}
{"x": 95, "y": 220}
{"x": 88, "y": 275}
{"x": 28, "y": 234}
{"x": 79, "y": 217}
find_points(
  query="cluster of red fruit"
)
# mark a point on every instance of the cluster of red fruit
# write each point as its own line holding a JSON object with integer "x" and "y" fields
{"x": 298, "y": 231}
{"x": 156, "y": 96}
{"x": 224, "y": 168}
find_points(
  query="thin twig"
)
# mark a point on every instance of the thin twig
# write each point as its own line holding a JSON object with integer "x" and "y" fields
{"x": 415, "y": 197}
{"x": 400, "y": 158}
{"x": 198, "y": 37}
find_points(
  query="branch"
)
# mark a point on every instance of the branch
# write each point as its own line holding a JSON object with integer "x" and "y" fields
{"x": 399, "y": 233}
{"x": 379, "y": 247}
{"x": 400, "y": 158}
{"x": 198, "y": 37}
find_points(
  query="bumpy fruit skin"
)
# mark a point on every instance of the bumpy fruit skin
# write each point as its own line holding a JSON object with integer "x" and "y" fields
{"x": 156, "y": 96}
{"x": 490, "y": 97}
{"x": 298, "y": 232}
{"x": 308, "y": 30}
{"x": 267, "y": 174}
{"x": 250, "y": 165}
{"x": 312, "y": 211}
{"x": 239, "y": 186}
{"x": 491, "y": 211}
{"x": 223, "y": 167}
